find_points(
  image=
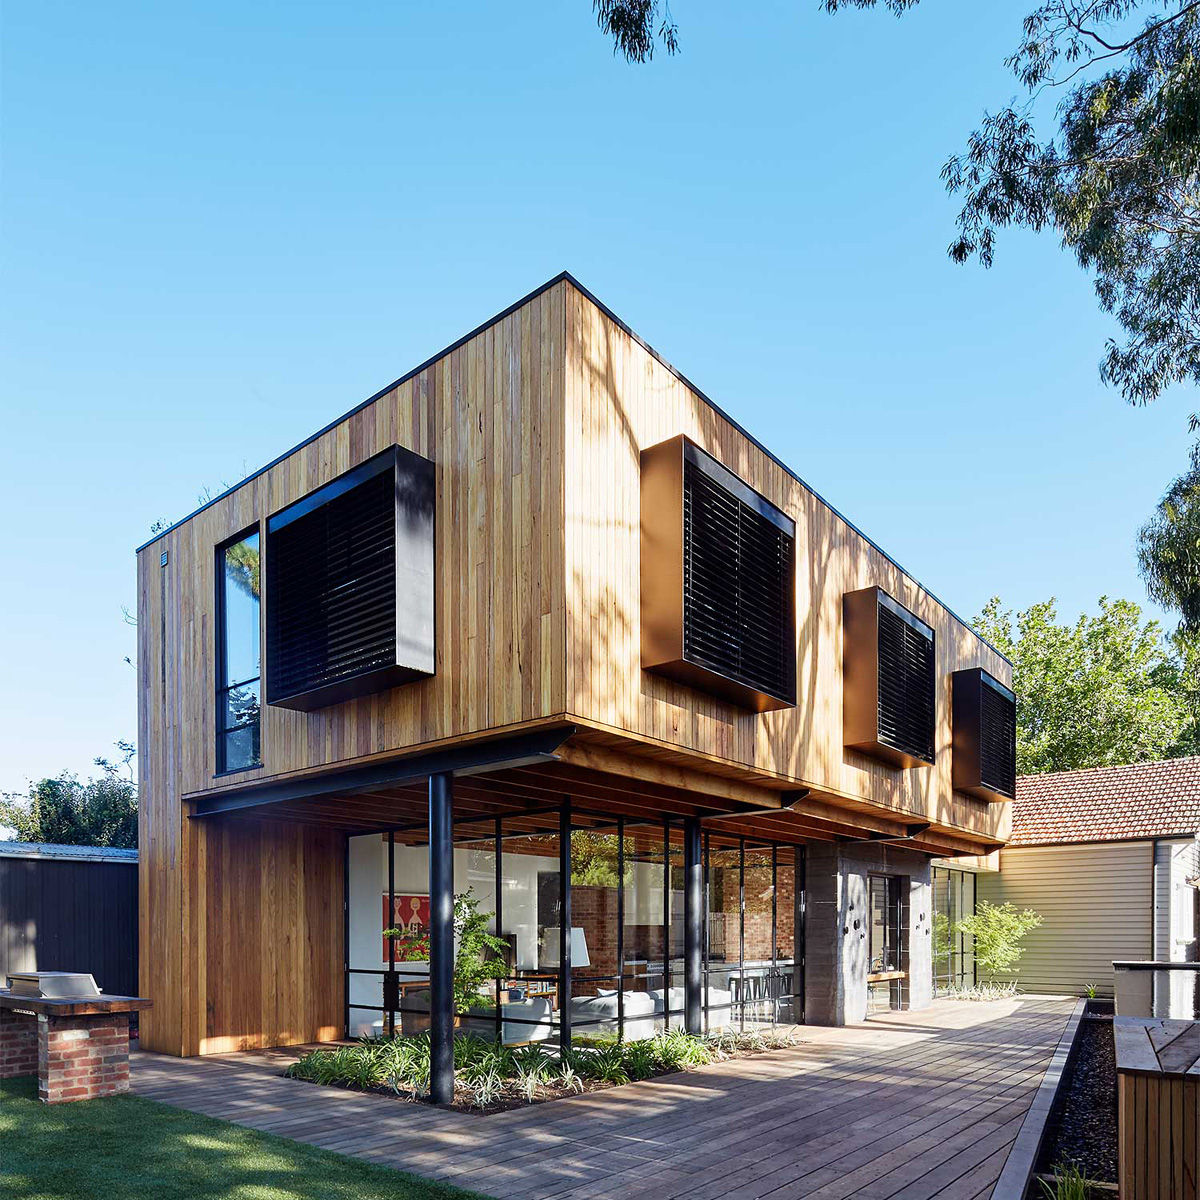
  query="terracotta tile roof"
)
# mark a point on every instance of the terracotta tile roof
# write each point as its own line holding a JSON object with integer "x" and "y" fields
{"x": 1145, "y": 800}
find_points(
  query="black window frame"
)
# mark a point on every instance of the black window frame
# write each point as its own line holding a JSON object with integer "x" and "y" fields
{"x": 223, "y": 688}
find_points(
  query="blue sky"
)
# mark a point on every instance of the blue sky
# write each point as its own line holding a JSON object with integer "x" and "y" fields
{"x": 225, "y": 224}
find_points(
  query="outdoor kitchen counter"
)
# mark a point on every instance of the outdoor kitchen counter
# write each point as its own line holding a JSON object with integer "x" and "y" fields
{"x": 72, "y": 1006}
{"x": 78, "y": 1046}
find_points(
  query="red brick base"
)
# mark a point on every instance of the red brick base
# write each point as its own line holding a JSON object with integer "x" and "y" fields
{"x": 82, "y": 1058}
{"x": 18, "y": 1044}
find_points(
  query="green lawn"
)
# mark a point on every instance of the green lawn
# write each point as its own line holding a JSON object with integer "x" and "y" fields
{"x": 127, "y": 1147}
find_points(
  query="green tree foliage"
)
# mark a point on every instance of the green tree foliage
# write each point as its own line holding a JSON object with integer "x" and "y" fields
{"x": 635, "y": 26}
{"x": 100, "y": 812}
{"x": 1116, "y": 178}
{"x": 480, "y": 956}
{"x": 1169, "y": 549}
{"x": 998, "y": 930}
{"x": 1105, "y": 691}
{"x": 594, "y": 859}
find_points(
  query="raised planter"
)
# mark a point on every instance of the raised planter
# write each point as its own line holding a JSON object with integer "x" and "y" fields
{"x": 1158, "y": 1091}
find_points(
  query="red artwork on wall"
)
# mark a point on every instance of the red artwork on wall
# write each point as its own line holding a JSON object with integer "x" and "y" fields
{"x": 410, "y": 914}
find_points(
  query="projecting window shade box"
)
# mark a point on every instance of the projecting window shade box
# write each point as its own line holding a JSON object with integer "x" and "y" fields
{"x": 889, "y": 704}
{"x": 984, "y": 715}
{"x": 350, "y": 579}
{"x": 718, "y": 598}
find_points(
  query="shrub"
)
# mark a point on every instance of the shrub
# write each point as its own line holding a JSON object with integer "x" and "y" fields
{"x": 998, "y": 930}
{"x": 488, "y": 1070}
{"x": 1068, "y": 1183}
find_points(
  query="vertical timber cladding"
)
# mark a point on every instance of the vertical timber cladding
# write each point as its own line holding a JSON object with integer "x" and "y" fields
{"x": 622, "y": 400}
{"x": 488, "y": 413}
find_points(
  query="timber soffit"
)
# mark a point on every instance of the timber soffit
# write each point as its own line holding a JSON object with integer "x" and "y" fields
{"x": 567, "y": 277}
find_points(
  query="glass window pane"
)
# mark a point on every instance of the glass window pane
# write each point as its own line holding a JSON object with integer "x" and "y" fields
{"x": 242, "y": 705}
{"x": 241, "y": 599}
{"x": 943, "y": 932}
{"x": 724, "y": 984}
{"x": 645, "y": 973}
{"x": 595, "y": 894}
{"x": 241, "y": 748}
{"x": 530, "y": 908}
{"x": 785, "y": 935}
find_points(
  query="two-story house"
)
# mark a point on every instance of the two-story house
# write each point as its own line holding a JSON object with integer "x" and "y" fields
{"x": 539, "y": 627}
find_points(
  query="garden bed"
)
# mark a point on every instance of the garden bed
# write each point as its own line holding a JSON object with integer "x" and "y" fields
{"x": 491, "y": 1078}
{"x": 1083, "y": 1127}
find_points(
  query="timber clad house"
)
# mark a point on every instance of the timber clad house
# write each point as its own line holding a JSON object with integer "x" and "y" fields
{"x": 540, "y": 626}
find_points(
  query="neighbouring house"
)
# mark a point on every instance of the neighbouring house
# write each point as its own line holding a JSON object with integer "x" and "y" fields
{"x": 1110, "y": 859}
{"x": 541, "y": 625}
{"x": 70, "y": 908}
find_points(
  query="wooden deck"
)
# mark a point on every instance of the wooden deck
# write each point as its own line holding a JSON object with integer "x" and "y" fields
{"x": 906, "y": 1105}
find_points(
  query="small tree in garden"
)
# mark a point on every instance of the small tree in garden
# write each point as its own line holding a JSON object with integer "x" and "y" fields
{"x": 998, "y": 930}
{"x": 471, "y": 968}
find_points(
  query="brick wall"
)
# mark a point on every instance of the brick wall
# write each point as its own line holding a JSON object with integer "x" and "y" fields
{"x": 723, "y": 922}
{"x": 594, "y": 910}
{"x": 18, "y": 1044}
{"x": 82, "y": 1058}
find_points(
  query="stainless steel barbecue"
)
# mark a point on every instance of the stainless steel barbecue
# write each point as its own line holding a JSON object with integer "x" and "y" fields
{"x": 53, "y": 985}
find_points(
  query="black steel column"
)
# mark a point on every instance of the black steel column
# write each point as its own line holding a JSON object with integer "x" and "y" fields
{"x": 693, "y": 911}
{"x": 564, "y": 926}
{"x": 441, "y": 937}
{"x": 390, "y": 990}
{"x": 620, "y": 929}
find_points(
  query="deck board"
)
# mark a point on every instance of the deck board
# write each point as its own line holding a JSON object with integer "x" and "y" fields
{"x": 905, "y": 1106}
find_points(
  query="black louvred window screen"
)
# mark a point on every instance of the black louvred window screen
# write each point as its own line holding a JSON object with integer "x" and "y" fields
{"x": 998, "y": 742}
{"x": 331, "y": 590}
{"x": 906, "y": 686}
{"x": 738, "y": 601}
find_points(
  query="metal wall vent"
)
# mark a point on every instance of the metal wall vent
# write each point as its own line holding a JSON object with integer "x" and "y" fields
{"x": 985, "y": 735}
{"x": 718, "y": 580}
{"x": 349, "y": 593}
{"x": 889, "y": 680}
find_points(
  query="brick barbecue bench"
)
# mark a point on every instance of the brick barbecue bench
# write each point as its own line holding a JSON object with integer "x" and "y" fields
{"x": 78, "y": 1048}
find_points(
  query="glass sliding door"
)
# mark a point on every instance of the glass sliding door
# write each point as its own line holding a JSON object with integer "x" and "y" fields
{"x": 953, "y": 950}
{"x": 644, "y": 940}
{"x": 531, "y": 904}
{"x": 887, "y": 941}
{"x": 597, "y": 863}
{"x": 620, "y": 910}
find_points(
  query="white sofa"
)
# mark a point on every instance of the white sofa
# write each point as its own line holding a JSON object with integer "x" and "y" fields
{"x": 719, "y": 1001}
{"x": 598, "y": 1014}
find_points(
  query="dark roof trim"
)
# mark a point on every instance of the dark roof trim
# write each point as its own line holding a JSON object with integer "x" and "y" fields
{"x": 471, "y": 758}
{"x": 567, "y": 277}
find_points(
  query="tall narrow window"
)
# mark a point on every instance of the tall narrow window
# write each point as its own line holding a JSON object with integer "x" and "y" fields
{"x": 238, "y": 660}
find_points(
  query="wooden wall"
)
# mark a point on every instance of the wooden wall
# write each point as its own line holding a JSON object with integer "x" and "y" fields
{"x": 621, "y": 399}
{"x": 218, "y": 898}
{"x": 1095, "y": 900}
{"x": 240, "y": 921}
{"x": 1158, "y": 1131}
{"x": 489, "y": 415}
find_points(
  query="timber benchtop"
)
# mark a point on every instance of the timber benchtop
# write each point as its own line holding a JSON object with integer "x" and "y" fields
{"x": 81, "y": 1006}
{"x": 1157, "y": 1047}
